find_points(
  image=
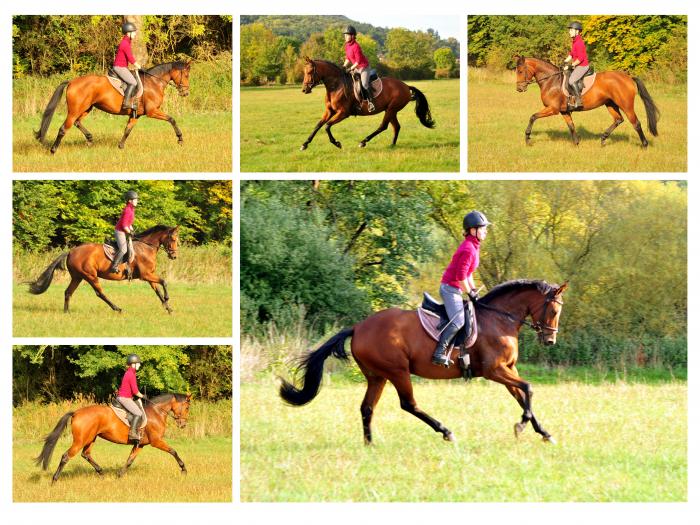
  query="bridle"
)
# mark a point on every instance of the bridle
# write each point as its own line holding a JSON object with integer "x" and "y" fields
{"x": 166, "y": 82}
{"x": 533, "y": 78}
{"x": 178, "y": 418}
{"x": 315, "y": 79}
{"x": 538, "y": 326}
{"x": 171, "y": 253}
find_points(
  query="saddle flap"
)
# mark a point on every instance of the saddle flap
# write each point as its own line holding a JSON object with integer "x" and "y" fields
{"x": 120, "y": 85}
{"x": 433, "y": 321}
{"x": 587, "y": 80}
{"x": 124, "y": 415}
{"x": 375, "y": 85}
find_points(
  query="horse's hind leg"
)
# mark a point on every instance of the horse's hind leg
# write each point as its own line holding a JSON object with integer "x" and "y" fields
{"x": 95, "y": 283}
{"x": 403, "y": 386}
{"x": 134, "y": 452}
{"x": 79, "y": 125}
{"x": 397, "y": 127}
{"x": 74, "y": 283}
{"x": 67, "y": 456}
{"x": 375, "y": 386}
{"x": 617, "y": 120}
{"x": 632, "y": 117}
{"x": 70, "y": 119}
{"x": 87, "y": 456}
{"x": 389, "y": 115}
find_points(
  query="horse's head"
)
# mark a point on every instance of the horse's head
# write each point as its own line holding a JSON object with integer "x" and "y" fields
{"x": 180, "y": 407}
{"x": 170, "y": 242}
{"x": 311, "y": 78}
{"x": 181, "y": 78}
{"x": 523, "y": 76}
{"x": 547, "y": 322}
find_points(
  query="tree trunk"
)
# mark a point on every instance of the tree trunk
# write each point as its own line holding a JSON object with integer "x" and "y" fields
{"x": 138, "y": 45}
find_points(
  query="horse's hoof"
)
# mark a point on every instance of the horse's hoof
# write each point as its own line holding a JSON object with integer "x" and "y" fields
{"x": 118, "y": 310}
{"x": 121, "y": 145}
{"x": 184, "y": 471}
{"x": 303, "y": 147}
{"x": 362, "y": 144}
{"x": 450, "y": 437}
{"x": 338, "y": 145}
{"x": 89, "y": 144}
{"x": 180, "y": 142}
{"x": 517, "y": 429}
{"x": 528, "y": 142}
{"x": 645, "y": 145}
{"x": 549, "y": 439}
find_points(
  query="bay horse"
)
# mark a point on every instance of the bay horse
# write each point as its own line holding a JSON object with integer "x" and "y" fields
{"x": 613, "y": 89}
{"x": 392, "y": 344}
{"x": 340, "y": 100}
{"x": 89, "y": 423}
{"x": 88, "y": 262}
{"x": 95, "y": 91}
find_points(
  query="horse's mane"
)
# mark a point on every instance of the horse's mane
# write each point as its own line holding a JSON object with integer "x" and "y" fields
{"x": 344, "y": 75}
{"x": 515, "y": 286}
{"x": 161, "y": 398}
{"x": 164, "y": 68}
{"x": 541, "y": 60}
{"x": 152, "y": 229}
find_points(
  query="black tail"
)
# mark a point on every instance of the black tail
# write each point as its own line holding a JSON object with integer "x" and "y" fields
{"x": 51, "y": 440}
{"x": 653, "y": 113}
{"x": 48, "y": 112}
{"x": 422, "y": 108}
{"x": 44, "y": 281}
{"x": 312, "y": 364}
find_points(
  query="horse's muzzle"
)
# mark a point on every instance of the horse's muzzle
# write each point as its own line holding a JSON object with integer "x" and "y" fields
{"x": 520, "y": 88}
{"x": 184, "y": 92}
{"x": 306, "y": 89}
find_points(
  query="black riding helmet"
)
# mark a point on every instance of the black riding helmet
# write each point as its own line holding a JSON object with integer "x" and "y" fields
{"x": 576, "y": 25}
{"x": 133, "y": 358}
{"x": 350, "y": 30}
{"x": 128, "y": 27}
{"x": 130, "y": 195}
{"x": 474, "y": 219}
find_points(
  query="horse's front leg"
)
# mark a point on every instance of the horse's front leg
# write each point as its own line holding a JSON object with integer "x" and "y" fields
{"x": 326, "y": 115}
{"x": 340, "y": 115}
{"x": 129, "y": 126}
{"x": 158, "y": 114}
{"x": 546, "y": 112}
{"x": 134, "y": 452}
{"x": 154, "y": 281}
{"x": 162, "y": 445}
{"x": 572, "y": 129}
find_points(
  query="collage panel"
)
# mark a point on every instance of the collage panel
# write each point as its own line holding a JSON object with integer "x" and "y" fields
{"x": 77, "y": 97}
{"x": 171, "y": 442}
{"x": 303, "y": 77}
{"x": 72, "y": 240}
{"x": 457, "y": 299}
{"x": 565, "y": 93}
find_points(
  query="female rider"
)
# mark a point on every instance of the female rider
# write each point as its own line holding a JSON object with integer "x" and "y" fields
{"x": 127, "y": 390}
{"x": 355, "y": 58}
{"x": 579, "y": 60}
{"x": 458, "y": 278}
{"x": 123, "y": 227}
{"x": 122, "y": 58}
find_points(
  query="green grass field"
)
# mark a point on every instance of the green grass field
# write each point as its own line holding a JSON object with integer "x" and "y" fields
{"x": 616, "y": 442}
{"x": 498, "y": 116}
{"x": 200, "y": 310}
{"x": 205, "y": 446}
{"x": 152, "y": 145}
{"x": 275, "y": 121}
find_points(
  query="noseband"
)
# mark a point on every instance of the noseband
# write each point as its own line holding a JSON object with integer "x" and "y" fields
{"x": 533, "y": 78}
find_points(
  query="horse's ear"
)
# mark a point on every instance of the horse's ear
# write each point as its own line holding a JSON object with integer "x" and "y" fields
{"x": 189, "y": 397}
{"x": 307, "y": 59}
{"x": 188, "y": 64}
{"x": 562, "y": 288}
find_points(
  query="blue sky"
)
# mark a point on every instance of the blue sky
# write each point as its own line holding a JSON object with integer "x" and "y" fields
{"x": 446, "y": 26}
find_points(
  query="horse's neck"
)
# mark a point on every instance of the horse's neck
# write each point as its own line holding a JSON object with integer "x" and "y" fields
{"x": 331, "y": 81}
{"x": 519, "y": 305}
{"x": 543, "y": 69}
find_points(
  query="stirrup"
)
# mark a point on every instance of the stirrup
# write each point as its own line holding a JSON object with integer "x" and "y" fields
{"x": 442, "y": 360}
{"x": 370, "y": 106}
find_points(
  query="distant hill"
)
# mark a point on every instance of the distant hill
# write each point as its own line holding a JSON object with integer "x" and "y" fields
{"x": 300, "y": 27}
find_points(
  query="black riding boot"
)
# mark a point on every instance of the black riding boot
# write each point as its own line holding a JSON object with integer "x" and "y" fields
{"x": 134, "y": 429}
{"x": 128, "y": 93}
{"x": 115, "y": 263}
{"x": 440, "y": 356}
{"x": 577, "y": 94}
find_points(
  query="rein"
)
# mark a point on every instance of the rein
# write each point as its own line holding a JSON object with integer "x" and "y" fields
{"x": 538, "y": 327}
{"x": 534, "y": 78}
{"x": 166, "y": 82}
{"x": 157, "y": 246}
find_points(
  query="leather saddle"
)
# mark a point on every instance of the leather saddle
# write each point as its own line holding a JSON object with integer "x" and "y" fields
{"x": 123, "y": 414}
{"x": 584, "y": 83}
{"x": 375, "y": 84}
{"x": 467, "y": 333}
{"x": 120, "y": 85}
